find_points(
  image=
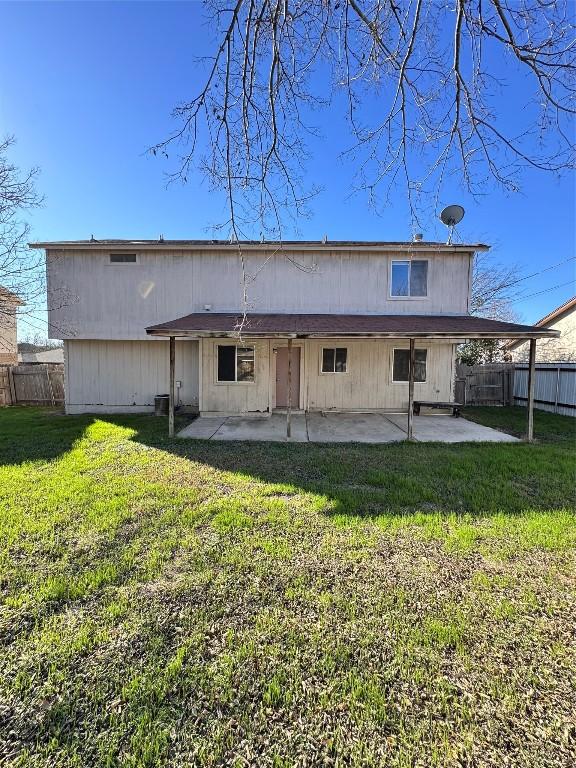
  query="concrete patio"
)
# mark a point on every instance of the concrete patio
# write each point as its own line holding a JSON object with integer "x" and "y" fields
{"x": 342, "y": 428}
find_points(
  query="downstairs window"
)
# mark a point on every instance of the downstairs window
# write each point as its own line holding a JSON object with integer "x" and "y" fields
{"x": 401, "y": 365}
{"x": 235, "y": 363}
{"x": 334, "y": 360}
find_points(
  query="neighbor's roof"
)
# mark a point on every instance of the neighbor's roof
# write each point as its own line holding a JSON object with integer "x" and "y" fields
{"x": 257, "y": 245}
{"x": 556, "y": 313}
{"x": 568, "y": 306}
{"x": 55, "y": 355}
{"x": 325, "y": 326}
{"x": 10, "y": 296}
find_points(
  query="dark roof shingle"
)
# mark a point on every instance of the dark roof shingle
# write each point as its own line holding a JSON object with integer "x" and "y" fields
{"x": 324, "y": 325}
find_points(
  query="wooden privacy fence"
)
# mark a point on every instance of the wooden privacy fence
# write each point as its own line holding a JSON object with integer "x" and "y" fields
{"x": 490, "y": 384}
{"x": 507, "y": 384}
{"x": 32, "y": 384}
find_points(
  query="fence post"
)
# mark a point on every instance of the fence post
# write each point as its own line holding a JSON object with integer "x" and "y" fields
{"x": 50, "y": 386}
{"x": 557, "y": 390}
{"x": 11, "y": 385}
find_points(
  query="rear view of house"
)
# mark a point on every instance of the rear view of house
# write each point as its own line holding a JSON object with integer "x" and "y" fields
{"x": 349, "y": 311}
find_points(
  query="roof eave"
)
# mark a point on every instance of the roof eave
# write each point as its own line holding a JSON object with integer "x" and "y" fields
{"x": 234, "y": 334}
{"x": 11, "y": 298}
{"x": 328, "y": 246}
{"x": 559, "y": 312}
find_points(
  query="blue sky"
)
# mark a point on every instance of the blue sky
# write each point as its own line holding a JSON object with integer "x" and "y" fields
{"x": 87, "y": 87}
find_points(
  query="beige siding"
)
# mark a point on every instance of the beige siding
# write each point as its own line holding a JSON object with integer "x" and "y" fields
{"x": 367, "y": 384}
{"x": 553, "y": 350}
{"x": 237, "y": 397}
{"x": 108, "y": 376}
{"x": 89, "y": 298}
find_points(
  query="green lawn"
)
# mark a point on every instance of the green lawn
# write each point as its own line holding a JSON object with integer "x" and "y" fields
{"x": 189, "y": 603}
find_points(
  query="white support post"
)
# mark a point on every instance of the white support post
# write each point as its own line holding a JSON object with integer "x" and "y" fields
{"x": 171, "y": 389}
{"x": 531, "y": 382}
{"x": 289, "y": 408}
{"x": 411, "y": 391}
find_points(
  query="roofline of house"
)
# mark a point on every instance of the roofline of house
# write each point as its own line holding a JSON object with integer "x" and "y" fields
{"x": 11, "y": 297}
{"x": 550, "y": 317}
{"x": 556, "y": 313}
{"x": 253, "y": 245}
{"x": 459, "y": 335}
{"x": 225, "y": 325}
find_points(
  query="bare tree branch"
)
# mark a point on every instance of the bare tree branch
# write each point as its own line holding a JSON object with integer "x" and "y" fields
{"x": 424, "y": 85}
{"x": 22, "y": 275}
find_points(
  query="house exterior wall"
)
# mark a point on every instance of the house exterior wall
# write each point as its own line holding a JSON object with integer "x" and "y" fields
{"x": 368, "y": 382}
{"x": 366, "y": 385}
{"x": 89, "y": 298}
{"x": 8, "y": 339}
{"x": 124, "y": 376}
{"x": 237, "y": 397}
{"x": 552, "y": 350}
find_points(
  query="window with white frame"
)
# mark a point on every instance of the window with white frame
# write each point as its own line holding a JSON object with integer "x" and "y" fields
{"x": 401, "y": 365}
{"x": 235, "y": 364}
{"x": 123, "y": 258}
{"x": 334, "y": 360}
{"x": 409, "y": 278}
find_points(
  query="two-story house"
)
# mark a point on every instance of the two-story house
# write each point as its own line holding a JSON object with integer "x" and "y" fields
{"x": 349, "y": 311}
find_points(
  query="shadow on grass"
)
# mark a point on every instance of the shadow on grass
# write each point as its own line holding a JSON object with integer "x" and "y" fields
{"x": 41, "y": 434}
{"x": 361, "y": 480}
{"x": 549, "y": 427}
{"x": 38, "y": 434}
{"x": 397, "y": 478}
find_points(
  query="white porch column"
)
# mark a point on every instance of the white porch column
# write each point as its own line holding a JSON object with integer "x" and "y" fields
{"x": 289, "y": 404}
{"x": 171, "y": 389}
{"x": 411, "y": 391}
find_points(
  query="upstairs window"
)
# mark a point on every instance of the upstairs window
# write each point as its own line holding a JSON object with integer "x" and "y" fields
{"x": 122, "y": 258}
{"x": 409, "y": 278}
{"x": 401, "y": 365}
{"x": 334, "y": 360}
{"x": 235, "y": 363}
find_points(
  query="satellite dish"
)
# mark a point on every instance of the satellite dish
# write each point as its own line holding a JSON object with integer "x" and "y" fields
{"x": 452, "y": 215}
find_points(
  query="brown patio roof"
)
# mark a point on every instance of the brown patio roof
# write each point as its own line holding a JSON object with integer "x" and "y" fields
{"x": 326, "y": 326}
